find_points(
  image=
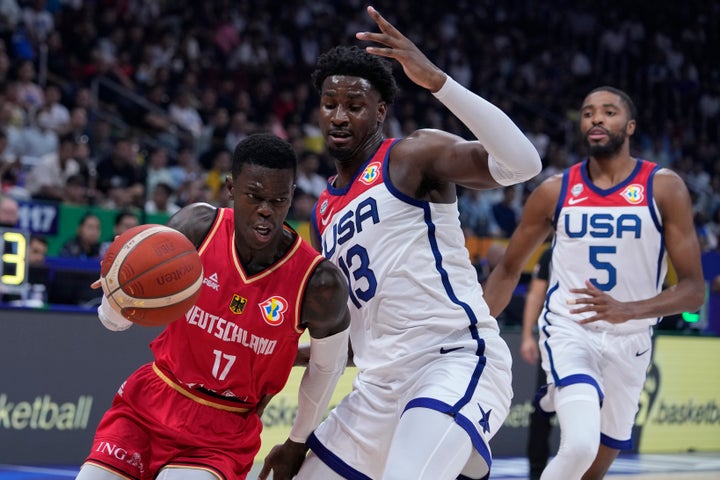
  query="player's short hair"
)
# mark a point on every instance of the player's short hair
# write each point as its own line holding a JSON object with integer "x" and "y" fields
{"x": 624, "y": 97}
{"x": 266, "y": 150}
{"x": 356, "y": 62}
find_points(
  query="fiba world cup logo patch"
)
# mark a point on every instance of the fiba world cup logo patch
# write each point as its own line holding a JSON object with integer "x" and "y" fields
{"x": 371, "y": 173}
{"x": 273, "y": 309}
{"x": 634, "y": 193}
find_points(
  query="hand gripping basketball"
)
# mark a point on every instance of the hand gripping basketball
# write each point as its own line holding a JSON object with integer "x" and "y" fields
{"x": 151, "y": 275}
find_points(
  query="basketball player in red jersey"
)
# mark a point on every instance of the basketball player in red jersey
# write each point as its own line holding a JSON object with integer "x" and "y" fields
{"x": 194, "y": 413}
{"x": 616, "y": 220}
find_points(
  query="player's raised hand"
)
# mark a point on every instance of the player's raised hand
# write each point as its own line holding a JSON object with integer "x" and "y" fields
{"x": 605, "y": 307}
{"x": 396, "y": 45}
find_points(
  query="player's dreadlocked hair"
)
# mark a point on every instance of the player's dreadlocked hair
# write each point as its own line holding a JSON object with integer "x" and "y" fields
{"x": 356, "y": 62}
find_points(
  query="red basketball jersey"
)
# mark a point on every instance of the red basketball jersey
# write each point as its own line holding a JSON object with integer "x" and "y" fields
{"x": 240, "y": 339}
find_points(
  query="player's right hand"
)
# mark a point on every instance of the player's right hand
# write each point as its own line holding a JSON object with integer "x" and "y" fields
{"x": 415, "y": 64}
{"x": 284, "y": 461}
{"x": 529, "y": 350}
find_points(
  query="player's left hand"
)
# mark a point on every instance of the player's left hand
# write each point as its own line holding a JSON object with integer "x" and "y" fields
{"x": 595, "y": 300}
{"x": 415, "y": 64}
{"x": 284, "y": 461}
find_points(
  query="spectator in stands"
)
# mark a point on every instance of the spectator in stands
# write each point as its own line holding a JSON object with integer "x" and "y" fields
{"x": 38, "y": 20}
{"x": 118, "y": 178}
{"x": 52, "y": 114}
{"x": 76, "y": 191}
{"x": 185, "y": 169}
{"x": 37, "y": 250}
{"x": 78, "y": 126}
{"x": 476, "y": 217}
{"x": 238, "y": 129}
{"x": 48, "y": 178}
{"x": 9, "y": 164}
{"x": 124, "y": 220}
{"x": 38, "y": 139}
{"x": 9, "y": 211}
{"x": 161, "y": 200}
{"x": 86, "y": 242}
{"x": 157, "y": 169}
{"x": 504, "y": 212}
{"x": 185, "y": 115}
{"x": 30, "y": 94}
{"x": 307, "y": 177}
{"x": 215, "y": 178}
{"x": 302, "y": 204}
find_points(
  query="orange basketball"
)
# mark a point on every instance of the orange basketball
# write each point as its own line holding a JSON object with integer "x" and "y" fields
{"x": 151, "y": 274}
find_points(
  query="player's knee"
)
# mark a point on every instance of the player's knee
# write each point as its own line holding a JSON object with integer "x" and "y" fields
{"x": 582, "y": 450}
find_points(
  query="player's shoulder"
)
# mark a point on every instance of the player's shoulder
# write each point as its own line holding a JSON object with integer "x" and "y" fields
{"x": 669, "y": 189}
{"x": 194, "y": 221}
{"x": 327, "y": 276}
{"x": 549, "y": 189}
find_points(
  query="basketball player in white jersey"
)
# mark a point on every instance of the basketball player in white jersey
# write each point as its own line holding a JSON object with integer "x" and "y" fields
{"x": 434, "y": 379}
{"x": 616, "y": 219}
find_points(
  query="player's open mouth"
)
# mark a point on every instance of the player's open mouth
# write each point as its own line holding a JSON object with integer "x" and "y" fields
{"x": 339, "y": 137}
{"x": 262, "y": 233}
{"x": 597, "y": 133}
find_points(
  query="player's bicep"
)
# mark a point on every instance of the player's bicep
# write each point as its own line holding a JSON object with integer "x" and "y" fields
{"x": 325, "y": 310}
{"x": 535, "y": 227}
{"x": 194, "y": 221}
{"x": 675, "y": 205}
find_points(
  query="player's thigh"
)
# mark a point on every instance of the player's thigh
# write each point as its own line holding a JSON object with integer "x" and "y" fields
{"x": 92, "y": 472}
{"x": 569, "y": 350}
{"x": 428, "y": 445}
{"x": 356, "y": 435}
{"x": 313, "y": 469}
{"x": 186, "y": 474}
{"x": 623, "y": 381}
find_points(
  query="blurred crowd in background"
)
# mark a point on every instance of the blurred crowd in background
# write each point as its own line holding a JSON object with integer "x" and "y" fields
{"x": 137, "y": 104}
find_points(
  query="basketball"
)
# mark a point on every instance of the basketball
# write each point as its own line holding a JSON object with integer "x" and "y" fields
{"x": 151, "y": 274}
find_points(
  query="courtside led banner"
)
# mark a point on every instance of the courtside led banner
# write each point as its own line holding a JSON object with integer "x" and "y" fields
{"x": 680, "y": 405}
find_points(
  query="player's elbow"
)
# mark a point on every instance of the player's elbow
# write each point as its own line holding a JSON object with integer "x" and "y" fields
{"x": 697, "y": 299}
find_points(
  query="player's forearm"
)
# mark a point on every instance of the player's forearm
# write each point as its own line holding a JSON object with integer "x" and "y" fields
{"x": 531, "y": 312}
{"x": 685, "y": 296}
{"x": 498, "y": 289}
{"x": 512, "y": 157}
{"x": 325, "y": 366}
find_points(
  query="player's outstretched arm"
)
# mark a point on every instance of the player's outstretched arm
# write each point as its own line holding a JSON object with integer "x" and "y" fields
{"x": 535, "y": 226}
{"x": 327, "y": 318}
{"x": 506, "y": 153}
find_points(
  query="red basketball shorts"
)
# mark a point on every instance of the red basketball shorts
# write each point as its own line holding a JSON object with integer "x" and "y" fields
{"x": 152, "y": 425}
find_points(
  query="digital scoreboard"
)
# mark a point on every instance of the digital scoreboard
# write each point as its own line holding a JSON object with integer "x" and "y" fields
{"x": 13, "y": 263}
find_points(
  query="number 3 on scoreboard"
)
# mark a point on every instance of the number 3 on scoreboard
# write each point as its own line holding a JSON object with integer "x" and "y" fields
{"x": 15, "y": 259}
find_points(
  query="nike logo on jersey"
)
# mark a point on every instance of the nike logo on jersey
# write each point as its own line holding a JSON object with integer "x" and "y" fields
{"x": 326, "y": 219}
{"x": 444, "y": 350}
{"x": 573, "y": 201}
{"x": 640, "y": 354}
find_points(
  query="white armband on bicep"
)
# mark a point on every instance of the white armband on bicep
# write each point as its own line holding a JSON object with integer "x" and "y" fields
{"x": 328, "y": 357}
{"x": 512, "y": 158}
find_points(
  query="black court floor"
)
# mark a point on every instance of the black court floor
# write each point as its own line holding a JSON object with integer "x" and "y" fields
{"x": 692, "y": 466}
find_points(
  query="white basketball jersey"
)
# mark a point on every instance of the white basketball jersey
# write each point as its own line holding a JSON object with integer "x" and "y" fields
{"x": 411, "y": 282}
{"x": 611, "y": 237}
